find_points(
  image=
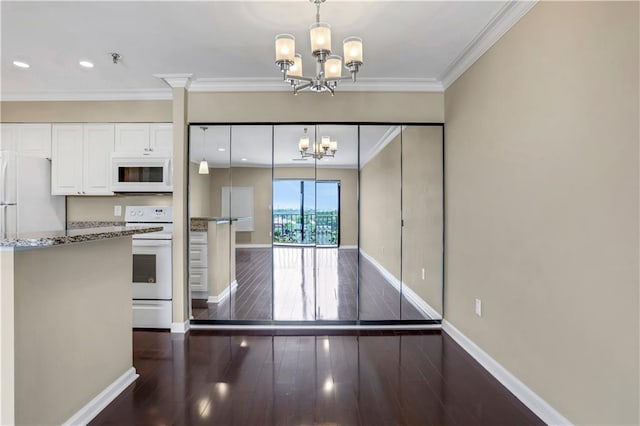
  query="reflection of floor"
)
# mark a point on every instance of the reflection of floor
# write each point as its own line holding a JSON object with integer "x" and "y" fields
{"x": 217, "y": 378}
{"x": 333, "y": 295}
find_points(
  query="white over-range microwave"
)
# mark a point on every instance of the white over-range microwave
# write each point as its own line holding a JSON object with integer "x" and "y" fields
{"x": 141, "y": 173}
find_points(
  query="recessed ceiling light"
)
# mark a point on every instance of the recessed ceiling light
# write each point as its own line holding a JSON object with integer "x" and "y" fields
{"x": 221, "y": 149}
{"x": 86, "y": 64}
{"x": 244, "y": 159}
{"x": 21, "y": 64}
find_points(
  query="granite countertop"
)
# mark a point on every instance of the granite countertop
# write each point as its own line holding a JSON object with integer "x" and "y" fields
{"x": 202, "y": 223}
{"x": 56, "y": 238}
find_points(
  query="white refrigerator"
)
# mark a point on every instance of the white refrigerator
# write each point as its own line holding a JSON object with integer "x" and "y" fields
{"x": 26, "y": 203}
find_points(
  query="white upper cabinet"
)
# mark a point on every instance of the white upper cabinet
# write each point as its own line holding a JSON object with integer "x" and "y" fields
{"x": 144, "y": 137}
{"x": 66, "y": 159}
{"x": 161, "y": 137}
{"x": 81, "y": 159}
{"x": 97, "y": 150}
{"x": 31, "y": 140}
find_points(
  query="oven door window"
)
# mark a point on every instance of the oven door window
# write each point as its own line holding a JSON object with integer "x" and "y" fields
{"x": 144, "y": 268}
{"x": 140, "y": 174}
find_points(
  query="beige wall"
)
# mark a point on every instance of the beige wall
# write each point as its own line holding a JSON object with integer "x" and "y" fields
{"x": 72, "y": 326}
{"x": 101, "y": 208}
{"x": 281, "y": 107}
{"x": 422, "y": 212}
{"x": 180, "y": 208}
{"x": 542, "y": 206}
{"x": 85, "y": 111}
{"x": 261, "y": 181}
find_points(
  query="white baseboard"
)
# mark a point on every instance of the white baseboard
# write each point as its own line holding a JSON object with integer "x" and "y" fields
{"x": 533, "y": 401}
{"x": 412, "y": 297}
{"x": 253, "y": 245}
{"x": 104, "y": 398}
{"x": 225, "y": 293}
{"x": 180, "y": 327}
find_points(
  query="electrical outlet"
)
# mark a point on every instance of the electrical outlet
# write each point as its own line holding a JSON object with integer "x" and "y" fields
{"x": 424, "y": 275}
{"x": 117, "y": 210}
{"x": 479, "y": 307}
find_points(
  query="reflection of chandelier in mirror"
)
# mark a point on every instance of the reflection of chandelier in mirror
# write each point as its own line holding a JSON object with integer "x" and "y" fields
{"x": 204, "y": 165}
{"x": 325, "y": 148}
{"x": 328, "y": 66}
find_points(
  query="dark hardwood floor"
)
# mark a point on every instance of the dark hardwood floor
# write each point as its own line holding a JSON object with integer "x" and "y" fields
{"x": 348, "y": 378}
{"x": 297, "y": 295}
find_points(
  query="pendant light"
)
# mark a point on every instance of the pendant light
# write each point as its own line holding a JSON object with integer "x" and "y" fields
{"x": 204, "y": 165}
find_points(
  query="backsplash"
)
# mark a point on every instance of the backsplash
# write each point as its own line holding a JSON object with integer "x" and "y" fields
{"x": 82, "y": 209}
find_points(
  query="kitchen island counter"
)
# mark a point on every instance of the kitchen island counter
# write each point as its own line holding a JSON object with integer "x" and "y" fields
{"x": 69, "y": 236}
{"x": 65, "y": 323}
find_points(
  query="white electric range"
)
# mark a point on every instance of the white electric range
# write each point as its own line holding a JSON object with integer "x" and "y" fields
{"x": 152, "y": 267}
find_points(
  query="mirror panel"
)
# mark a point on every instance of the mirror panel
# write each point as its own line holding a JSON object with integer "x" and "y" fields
{"x": 250, "y": 212}
{"x": 337, "y": 225}
{"x": 380, "y": 219}
{"x": 422, "y": 208}
{"x": 294, "y": 236}
{"x": 210, "y": 272}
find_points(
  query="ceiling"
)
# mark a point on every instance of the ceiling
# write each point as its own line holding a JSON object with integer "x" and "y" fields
{"x": 412, "y": 45}
{"x": 251, "y": 146}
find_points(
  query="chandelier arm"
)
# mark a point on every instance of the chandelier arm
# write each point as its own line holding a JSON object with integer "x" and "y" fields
{"x": 300, "y": 87}
{"x": 300, "y": 78}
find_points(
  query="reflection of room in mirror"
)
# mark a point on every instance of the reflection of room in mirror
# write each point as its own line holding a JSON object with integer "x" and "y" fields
{"x": 319, "y": 237}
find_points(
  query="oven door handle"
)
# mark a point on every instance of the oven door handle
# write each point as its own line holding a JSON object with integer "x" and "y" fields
{"x": 151, "y": 243}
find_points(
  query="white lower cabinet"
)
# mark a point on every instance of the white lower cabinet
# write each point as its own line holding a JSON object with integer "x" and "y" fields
{"x": 81, "y": 159}
{"x": 198, "y": 265}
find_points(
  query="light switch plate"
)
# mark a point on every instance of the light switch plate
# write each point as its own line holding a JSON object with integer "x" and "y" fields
{"x": 117, "y": 210}
{"x": 479, "y": 307}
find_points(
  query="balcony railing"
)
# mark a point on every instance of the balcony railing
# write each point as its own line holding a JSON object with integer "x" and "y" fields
{"x": 309, "y": 228}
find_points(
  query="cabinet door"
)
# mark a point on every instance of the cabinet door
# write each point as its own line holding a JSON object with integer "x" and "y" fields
{"x": 98, "y": 146}
{"x": 198, "y": 279}
{"x": 66, "y": 159}
{"x": 8, "y": 137}
{"x": 197, "y": 256}
{"x": 132, "y": 137}
{"x": 161, "y": 137}
{"x": 34, "y": 140}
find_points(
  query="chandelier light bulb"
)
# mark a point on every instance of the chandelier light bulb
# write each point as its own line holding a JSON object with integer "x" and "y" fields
{"x": 333, "y": 67}
{"x": 285, "y": 48}
{"x": 296, "y": 68}
{"x": 333, "y": 146}
{"x": 352, "y": 47}
{"x": 320, "y": 34}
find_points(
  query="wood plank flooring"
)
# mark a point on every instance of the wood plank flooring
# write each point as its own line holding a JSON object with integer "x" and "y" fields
{"x": 297, "y": 295}
{"x": 352, "y": 378}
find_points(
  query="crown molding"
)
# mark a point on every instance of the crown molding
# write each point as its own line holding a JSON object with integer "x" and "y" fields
{"x": 502, "y": 22}
{"x": 278, "y": 85}
{"x": 176, "y": 80}
{"x": 86, "y": 95}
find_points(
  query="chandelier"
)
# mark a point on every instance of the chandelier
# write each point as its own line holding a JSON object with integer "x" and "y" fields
{"x": 328, "y": 66}
{"x": 325, "y": 148}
